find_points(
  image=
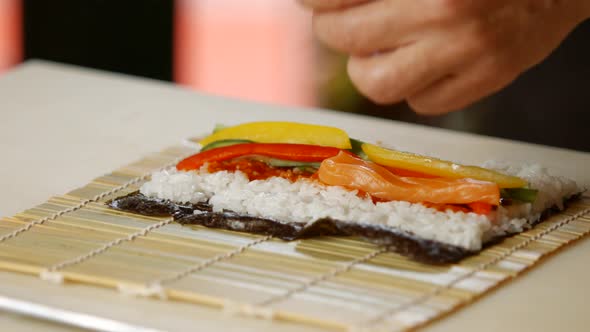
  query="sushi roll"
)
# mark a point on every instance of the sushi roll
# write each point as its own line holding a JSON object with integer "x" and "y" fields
{"x": 292, "y": 181}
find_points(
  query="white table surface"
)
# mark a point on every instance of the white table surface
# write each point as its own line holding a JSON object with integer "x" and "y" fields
{"x": 61, "y": 126}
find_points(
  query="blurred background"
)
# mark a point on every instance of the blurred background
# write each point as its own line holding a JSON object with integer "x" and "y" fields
{"x": 264, "y": 50}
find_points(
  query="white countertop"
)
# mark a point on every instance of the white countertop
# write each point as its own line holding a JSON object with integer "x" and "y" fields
{"x": 61, "y": 126}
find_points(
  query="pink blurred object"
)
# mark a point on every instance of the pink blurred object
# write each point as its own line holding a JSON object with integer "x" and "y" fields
{"x": 11, "y": 46}
{"x": 258, "y": 50}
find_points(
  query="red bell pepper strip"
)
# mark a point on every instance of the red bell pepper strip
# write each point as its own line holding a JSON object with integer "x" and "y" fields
{"x": 480, "y": 207}
{"x": 285, "y": 151}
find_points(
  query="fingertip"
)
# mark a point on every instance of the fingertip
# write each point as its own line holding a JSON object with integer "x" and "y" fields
{"x": 425, "y": 108}
{"x": 370, "y": 80}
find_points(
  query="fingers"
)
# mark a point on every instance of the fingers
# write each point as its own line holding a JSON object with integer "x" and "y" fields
{"x": 322, "y": 5}
{"x": 418, "y": 49}
{"x": 458, "y": 91}
{"x": 392, "y": 76}
{"x": 370, "y": 27}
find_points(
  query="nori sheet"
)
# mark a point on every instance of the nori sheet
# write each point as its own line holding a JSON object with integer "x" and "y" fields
{"x": 404, "y": 243}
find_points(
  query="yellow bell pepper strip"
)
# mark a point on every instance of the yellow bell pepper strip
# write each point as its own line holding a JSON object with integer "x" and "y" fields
{"x": 283, "y": 132}
{"x": 437, "y": 167}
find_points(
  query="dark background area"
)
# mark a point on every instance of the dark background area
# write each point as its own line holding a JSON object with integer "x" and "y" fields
{"x": 550, "y": 104}
{"x": 128, "y": 36}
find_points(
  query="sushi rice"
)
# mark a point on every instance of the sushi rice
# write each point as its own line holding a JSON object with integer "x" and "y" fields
{"x": 306, "y": 201}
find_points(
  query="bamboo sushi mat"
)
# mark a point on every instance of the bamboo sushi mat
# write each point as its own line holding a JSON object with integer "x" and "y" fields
{"x": 334, "y": 283}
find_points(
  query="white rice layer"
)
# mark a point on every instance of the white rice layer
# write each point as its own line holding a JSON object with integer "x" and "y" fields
{"x": 306, "y": 201}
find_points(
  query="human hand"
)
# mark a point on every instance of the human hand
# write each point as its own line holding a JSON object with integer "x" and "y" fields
{"x": 442, "y": 55}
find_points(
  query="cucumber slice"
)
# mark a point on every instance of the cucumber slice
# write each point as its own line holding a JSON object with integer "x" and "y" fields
{"x": 357, "y": 148}
{"x": 224, "y": 142}
{"x": 525, "y": 195}
{"x": 307, "y": 166}
{"x": 306, "y": 169}
{"x": 218, "y": 127}
{"x": 290, "y": 163}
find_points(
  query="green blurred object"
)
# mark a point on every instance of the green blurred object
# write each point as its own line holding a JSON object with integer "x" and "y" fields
{"x": 519, "y": 194}
{"x": 224, "y": 142}
{"x": 357, "y": 148}
{"x": 337, "y": 91}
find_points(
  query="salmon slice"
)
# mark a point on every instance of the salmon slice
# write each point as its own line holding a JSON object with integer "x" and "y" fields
{"x": 354, "y": 173}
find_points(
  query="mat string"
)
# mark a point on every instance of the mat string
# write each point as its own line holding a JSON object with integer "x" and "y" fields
{"x": 382, "y": 316}
{"x": 83, "y": 203}
{"x": 331, "y": 274}
{"x": 107, "y": 246}
{"x": 208, "y": 262}
{"x": 266, "y": 308}
{"x": 147, "y": 290}
{"x": 158, "y": 283}
{"x": 155, "y": 288}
